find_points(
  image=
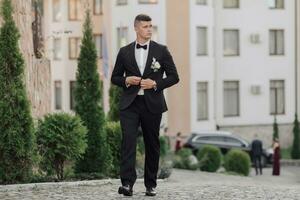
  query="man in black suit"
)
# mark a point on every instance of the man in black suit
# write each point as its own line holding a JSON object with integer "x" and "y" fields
{"x": 257, "y": 152}
{"x": 139, "y": 70}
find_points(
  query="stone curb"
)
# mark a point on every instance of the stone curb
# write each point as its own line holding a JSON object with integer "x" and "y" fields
{"x": 290, "y": 162}
{"x": 47, "y": 185}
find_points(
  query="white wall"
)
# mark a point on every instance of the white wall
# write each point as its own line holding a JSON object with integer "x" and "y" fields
{"x": 253, "y": 66}
{"x": 202, "y": 67}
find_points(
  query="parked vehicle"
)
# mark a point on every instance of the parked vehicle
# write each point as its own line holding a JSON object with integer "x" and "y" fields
{"x": 225, "y": 141}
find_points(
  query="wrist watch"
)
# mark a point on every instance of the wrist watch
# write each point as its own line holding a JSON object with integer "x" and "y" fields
{"x": 126, "y": 83}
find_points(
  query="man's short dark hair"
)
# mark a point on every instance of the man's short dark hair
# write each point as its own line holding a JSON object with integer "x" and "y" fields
{"x": 142, "y": 17}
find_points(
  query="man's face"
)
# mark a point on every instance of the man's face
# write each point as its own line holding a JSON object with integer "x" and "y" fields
{"x": 144, "y": 29}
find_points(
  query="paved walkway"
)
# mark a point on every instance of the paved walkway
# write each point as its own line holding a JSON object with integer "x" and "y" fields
{"x": 182, "y": 184}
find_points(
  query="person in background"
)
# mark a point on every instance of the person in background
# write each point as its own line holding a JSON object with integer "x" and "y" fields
{"x": 178, "y": 142}
{"x": 276, "y": 157}
{"x": 257, "y": 150}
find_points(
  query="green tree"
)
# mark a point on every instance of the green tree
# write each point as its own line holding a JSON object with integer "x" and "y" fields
{"x": 60, "y": 138}
{"x": 17, "y": 134}
{"x": 114, "y": 99}
{"x": 295, "y": 153}
{"x": 88, "y": 98}
{"x": 275, "y": 129}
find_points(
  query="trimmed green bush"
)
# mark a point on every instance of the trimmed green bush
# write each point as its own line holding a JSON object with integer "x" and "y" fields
{"x": 209, "y": 158}
{"x": 165, "y": 166}
{"x": 164, "y": 147}
{"x": 184, "y": 159}
{"x": 140, "y": 146}
{"x": 165, "y": 160}
{"x": 237, "y": 161}
{"x": 60, "y": 137}
{"x": 114, "y": 101}
{"x": 114, "y": 139}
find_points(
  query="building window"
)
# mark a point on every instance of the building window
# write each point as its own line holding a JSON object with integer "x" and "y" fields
{"x": 148, "y": 1}
{"x": 231, "y": 4}
{"x": 37, "y": 29}
{"x": 154, "y": 33}
{"x": 75, "y": 10}
{"x": 98, "y": 7}
{"x": 231, "y": 98}
{"x": 276, "y": 4}
{"x": 277, "y": 97}
{"x": 201, "y": 2}
{"x": 74, "y": 47}
{"x": 122, "y": 35}
{"x": 72, "y": 95}
{"x": 201, "y": 41}
{"x": 231, "y": 43}
{"x": 98, "y": 43}
{"x": 121, "y": 2}
{"x": 58, "y": 95}
{"x": 276, "y": 40}
{"x": 202, "y": 101}
{"x": 56, "y": 10}
{"x": 57, "y": 54}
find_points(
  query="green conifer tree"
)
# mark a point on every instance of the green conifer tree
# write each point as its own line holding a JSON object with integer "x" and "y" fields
{"x": 16, "y": 127}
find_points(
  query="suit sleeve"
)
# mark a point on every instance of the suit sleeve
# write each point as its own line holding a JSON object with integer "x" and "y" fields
{"x": 117, "y": 76}
{"x": 171, "y": 72}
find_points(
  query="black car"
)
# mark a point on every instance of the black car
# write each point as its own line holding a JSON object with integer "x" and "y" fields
{"x": 225, "y": 142}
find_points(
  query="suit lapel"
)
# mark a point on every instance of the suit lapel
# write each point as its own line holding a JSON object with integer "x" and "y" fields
{"x": 149, "y": 60}
{"x": 132, "y": 57}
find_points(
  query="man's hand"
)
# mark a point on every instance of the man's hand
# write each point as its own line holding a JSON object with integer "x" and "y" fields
{"x": 133, "y": 80}
{"x": 147, "y": 84}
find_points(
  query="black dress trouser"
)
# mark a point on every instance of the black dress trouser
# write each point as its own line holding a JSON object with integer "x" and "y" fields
{"x": 137, "y": 114}
{"x": 257, "y": 163}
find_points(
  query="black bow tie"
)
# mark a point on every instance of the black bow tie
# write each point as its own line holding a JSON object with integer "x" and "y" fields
{"x": 141, "y": 46}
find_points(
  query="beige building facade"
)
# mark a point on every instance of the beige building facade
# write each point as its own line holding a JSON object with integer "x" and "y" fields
{"x": 37, "y": 69}
{"x": 177, "y": 39}
{"x": 63, "y": 32}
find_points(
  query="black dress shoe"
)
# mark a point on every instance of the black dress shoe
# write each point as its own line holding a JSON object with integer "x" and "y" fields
{"x": 150, "y": 192}
{"x": 126, "y": 190}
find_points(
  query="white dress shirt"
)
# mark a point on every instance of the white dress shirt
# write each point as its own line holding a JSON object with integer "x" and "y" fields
{"x": 141, "y": 59}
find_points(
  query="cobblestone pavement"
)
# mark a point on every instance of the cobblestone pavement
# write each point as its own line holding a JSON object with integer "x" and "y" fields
{"x": 182, "y": 184}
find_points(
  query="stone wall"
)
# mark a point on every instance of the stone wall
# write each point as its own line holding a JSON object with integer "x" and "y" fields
{"x": 37, "y": 71}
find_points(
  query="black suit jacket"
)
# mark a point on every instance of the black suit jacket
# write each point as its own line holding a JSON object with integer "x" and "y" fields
{"x": 126, "y": 66}
{"x": 257, "y": 148}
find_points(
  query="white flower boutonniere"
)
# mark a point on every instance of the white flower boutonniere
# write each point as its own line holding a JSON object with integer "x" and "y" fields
{"x": 155, "y": 65}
